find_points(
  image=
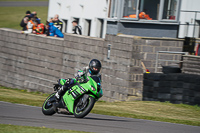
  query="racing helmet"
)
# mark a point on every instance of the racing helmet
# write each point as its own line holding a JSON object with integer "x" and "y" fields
{"x": 94, "y": 66}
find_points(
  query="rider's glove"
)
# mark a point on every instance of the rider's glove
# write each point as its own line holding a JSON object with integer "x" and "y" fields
{"x": 56, "y": 86}
{"x": 79, "y": 74}
{"x": 69, "y": 82}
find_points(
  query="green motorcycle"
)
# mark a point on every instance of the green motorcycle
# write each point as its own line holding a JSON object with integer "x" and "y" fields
{"x": 78, "y": 100}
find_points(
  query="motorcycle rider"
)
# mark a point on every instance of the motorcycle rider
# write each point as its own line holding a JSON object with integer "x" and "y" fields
{"x": 81, "y": 77}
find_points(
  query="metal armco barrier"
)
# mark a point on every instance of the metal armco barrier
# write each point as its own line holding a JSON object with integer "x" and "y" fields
{"x": 167, "y": 52}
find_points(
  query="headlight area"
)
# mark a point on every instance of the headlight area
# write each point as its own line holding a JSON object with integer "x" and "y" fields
{"x": 93, "y": 89}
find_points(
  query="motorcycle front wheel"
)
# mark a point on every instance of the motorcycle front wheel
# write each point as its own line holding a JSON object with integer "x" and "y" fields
{"x": 82, "y": 109}
{"x": 47, "y": 107}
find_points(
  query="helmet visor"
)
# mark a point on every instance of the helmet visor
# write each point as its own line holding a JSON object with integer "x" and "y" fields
{"x": 96, "y": 69}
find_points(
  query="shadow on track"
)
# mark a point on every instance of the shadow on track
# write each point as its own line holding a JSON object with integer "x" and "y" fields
{"x": 105, "y": 119}
{"x": 94, "y": 118}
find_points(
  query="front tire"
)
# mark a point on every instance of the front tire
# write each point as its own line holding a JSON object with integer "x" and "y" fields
{"x": 87, "y": 108}
{"x": 47, "y": 107}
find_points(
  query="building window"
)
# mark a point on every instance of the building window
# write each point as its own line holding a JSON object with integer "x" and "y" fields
{"x": 114, "y": 9}
{"x": 149, "y": 9}
{"x": 130, "y": 9}
{"x": 65, "y": 25}
{"x": 170, "y": 9}
{"x": 99, "y": 28}
{"x": 87, "y": 27}
{"x": 77, "y": 19}
{"x": 160, "y": 10}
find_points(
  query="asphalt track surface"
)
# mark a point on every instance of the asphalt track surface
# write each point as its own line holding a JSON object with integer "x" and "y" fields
{"x": 18, "y": 114}
{"x": 22, "y": 4}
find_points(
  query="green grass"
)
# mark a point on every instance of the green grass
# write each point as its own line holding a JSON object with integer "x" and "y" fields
{"x": 22, "y": 96}
{"x": 12, "y": 16}
{"x": 7, "y": 128}
{"x": 157, "y": 111}
{"x": 22, "y": 0}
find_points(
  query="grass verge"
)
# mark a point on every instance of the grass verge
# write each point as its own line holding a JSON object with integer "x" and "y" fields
{"x": 12, "y": 16}
{"x": 7, "y": 128}
{"x": 157, "y": 111}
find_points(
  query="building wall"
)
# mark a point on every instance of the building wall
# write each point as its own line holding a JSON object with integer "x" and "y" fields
{"x": 187, "y": 25}
{"x": 82, "y": 9}
{"x": 149, "y": 30}
{"x": 35, "y": 62}
{"x": 190, "y": 14}
{"x": 112, "y": 28}
{"x": 143, "y": 29}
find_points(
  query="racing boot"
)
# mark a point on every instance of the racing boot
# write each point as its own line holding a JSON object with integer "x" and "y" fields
{"x": 58, "y": 96}
{"x": 61, "y": 92}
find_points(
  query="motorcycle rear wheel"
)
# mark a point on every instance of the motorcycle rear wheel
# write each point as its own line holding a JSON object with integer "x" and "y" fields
{"x": 47, "y": 107}
{"x": 86, "y": 109}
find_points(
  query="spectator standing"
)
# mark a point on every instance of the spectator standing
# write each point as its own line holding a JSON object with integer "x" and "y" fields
{"x": 25, "y": 20}
{"x": 53, "y": 31}
{"x": 35, "y": 16}
{"x": 31, "y": 25}
{"x": 46, "y": 28}
{"x": 39, "y": 28}
{"x": 76, "y": 28}
{"x": 57, "y": 23}
{"x": 197, "y": 50}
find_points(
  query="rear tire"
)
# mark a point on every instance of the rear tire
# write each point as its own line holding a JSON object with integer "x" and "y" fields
{"x": 90, "y": 104}
{"x": 47, "y": 108}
